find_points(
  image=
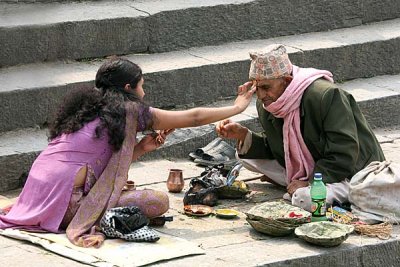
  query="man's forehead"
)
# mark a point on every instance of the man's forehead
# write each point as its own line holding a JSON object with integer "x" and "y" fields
{"x": 259, "y": 82}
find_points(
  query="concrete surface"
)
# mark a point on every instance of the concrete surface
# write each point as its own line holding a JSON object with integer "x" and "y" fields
{"x": 40, "y": 32}
{"x": 233, "y": 242}
{"x": 188, "y": 77}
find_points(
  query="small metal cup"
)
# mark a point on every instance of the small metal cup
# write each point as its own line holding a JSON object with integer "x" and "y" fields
{"x": 175, "y": 182}
{"x": 130, "y": 185}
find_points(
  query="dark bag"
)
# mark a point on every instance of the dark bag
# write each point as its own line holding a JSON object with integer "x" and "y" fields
{"x": 126, "y": 222}
{"x": 203, "y": 189}
{"x": 200, "y": 193}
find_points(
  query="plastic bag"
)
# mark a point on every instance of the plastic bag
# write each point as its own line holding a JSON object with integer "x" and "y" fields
{"x": 374, "y": 193}
{"x": 203, "y": 189}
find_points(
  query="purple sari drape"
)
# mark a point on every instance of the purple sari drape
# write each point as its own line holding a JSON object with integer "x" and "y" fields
{"x": 107, "y": 190}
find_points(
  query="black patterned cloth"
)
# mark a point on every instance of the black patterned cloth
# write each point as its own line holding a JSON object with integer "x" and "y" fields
{"x": 127, "y": 223}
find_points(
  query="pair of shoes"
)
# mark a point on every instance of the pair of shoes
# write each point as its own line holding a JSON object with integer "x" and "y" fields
{"x": 218, "y": 151}
{"x": 221, "y": 152}
{"x": 208, "y": 163}
{"x": 198, "y": 153}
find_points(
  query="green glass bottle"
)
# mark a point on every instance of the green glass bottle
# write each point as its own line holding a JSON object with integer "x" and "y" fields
{"x": 318, "y": 199}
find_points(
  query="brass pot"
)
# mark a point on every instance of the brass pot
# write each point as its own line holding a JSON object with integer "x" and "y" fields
{"x": 175, "y": 182}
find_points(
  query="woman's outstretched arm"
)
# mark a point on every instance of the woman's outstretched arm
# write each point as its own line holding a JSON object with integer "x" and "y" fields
{"x": 165, "y": 119}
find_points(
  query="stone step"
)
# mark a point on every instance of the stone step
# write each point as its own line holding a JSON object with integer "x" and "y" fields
{"x": 200, "y": 75}
{"x": 379, "y": 97}
{"x": 37, "y": 32}
{"x": 41, "y": 1}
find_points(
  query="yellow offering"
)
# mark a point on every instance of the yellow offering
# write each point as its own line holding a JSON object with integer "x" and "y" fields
{"x": 226, "y": 213}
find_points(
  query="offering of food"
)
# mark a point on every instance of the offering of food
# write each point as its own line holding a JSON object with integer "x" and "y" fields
{"x": 277, "y": 218}
{"x": 326, "y": 234}
{"x": 197, "y": 210}
{"x": 226, "y": 213}
{"x": 237, "y": 190}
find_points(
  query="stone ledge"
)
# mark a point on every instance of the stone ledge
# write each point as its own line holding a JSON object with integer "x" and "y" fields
{"x": 189, "y": 76}
{"x": 40, "y": 32}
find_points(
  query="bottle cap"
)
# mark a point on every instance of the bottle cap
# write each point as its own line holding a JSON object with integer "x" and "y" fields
{"x": 317, "y": 176}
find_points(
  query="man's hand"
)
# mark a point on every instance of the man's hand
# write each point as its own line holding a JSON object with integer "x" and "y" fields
{"x": 231, "y": 130}
{"x": 296, "y": 184}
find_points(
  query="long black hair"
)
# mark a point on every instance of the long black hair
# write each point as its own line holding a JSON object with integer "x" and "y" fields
{"x": 106, "y": 101}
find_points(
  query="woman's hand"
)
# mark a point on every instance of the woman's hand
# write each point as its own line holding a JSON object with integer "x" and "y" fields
{"x": 245, "y": 93}
{"x": 153, "y": 141}
{"x": 150, "y": 142}
{"x": 231, "y": 130}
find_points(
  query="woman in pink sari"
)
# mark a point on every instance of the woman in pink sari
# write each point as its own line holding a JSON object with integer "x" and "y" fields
{"x": 83, "y": 170}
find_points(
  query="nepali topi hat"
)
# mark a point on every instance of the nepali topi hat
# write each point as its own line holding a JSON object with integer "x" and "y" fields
{"x": 271, "y": 63}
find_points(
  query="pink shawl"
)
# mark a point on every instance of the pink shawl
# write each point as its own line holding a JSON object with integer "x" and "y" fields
{"x": 107, "y": 190}
{"x": 298, "y": 159}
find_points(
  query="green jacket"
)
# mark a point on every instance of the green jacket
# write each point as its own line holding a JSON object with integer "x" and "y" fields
{"x": 333, "y": 128}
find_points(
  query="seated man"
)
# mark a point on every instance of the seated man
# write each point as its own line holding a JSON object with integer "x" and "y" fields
{"x": 309, "y": 125}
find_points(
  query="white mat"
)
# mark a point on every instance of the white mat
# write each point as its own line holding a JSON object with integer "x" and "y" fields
{"x": 114, "y": 252}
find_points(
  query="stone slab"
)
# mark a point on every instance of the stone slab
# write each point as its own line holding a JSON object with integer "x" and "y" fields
{"x": 37, "y": 32}
{"x": 188, "y": 77}
{"x": 252, "y": 20}
{"x": 46, "y": 32}
{"x": 232, "y": 242}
